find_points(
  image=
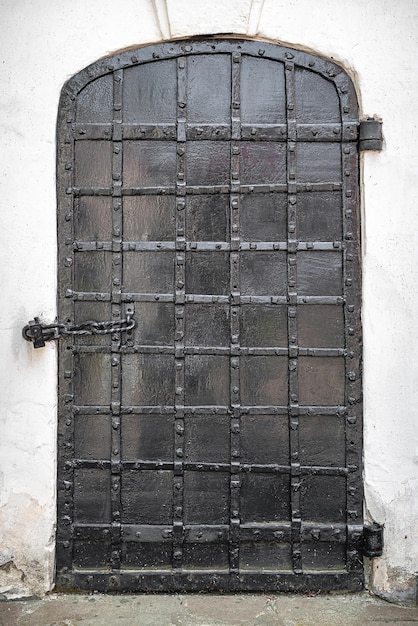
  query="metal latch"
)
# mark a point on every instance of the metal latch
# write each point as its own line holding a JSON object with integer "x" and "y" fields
{"x": 373, "y": 540}
{"x": 370, "y": 136}
{"x": 39, "y": 333}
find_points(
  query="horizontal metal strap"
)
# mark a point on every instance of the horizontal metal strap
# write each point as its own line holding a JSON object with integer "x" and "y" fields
{"x": 201, "y": 298}
{"x": 232, "y": 350}
{"x": 236, "y": 466}
{"x": 334, "y": 410}
{"x": 204, "y": 533}
{"x": 348, "y": 131}
{"x": 168, "y": 190}
{"x": 206, "y": 246}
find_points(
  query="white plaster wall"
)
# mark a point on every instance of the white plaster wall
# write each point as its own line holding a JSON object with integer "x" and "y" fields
{"x": 46, "y": 41}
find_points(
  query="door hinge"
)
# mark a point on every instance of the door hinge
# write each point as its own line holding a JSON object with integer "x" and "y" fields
{"x": 370, "y": 136}
{"x": 372, "y": 540}
{"x": 39, "y": 333}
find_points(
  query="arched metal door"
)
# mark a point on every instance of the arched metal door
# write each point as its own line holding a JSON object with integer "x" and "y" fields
{"x": 209, "y": 190}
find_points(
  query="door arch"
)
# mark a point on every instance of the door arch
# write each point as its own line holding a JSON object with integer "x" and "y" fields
{"x": 209, "y": 190}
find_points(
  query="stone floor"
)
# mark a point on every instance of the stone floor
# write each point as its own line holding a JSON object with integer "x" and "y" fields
{"x": 205, "y": 610}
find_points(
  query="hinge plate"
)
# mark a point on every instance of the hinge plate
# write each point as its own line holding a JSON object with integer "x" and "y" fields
{"x": 373, "y": 540}
{"x": 370, "y": 136}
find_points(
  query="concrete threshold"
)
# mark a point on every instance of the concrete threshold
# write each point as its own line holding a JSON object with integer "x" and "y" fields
{"x": 205, "y": 610}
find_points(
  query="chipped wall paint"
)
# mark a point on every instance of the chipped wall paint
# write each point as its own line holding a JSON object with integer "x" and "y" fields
{"x": 44, "y": 44}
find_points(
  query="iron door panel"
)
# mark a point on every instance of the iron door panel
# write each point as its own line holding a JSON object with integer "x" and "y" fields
{"x": 217, "y": 445}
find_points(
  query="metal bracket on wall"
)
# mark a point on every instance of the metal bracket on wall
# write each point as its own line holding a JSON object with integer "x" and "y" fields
{"x": 370, "y": 136}
{"x": 372, "y": 540}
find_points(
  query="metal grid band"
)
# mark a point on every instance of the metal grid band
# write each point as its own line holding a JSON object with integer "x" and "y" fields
{"x": 353, "y": 396}
{"x": 235, "y": 478}
{"x": 179, "y": 312}
{"x": 352, "y": 317}
{"x": 206, "y": 245}
{"x": 218, "y": 132}
{"x": 65, "y": 494}
{"x": 94, "y": 296}
{"x": 295, "y": 469}
{"x": 170, "y": 190}
{"x": 116, "y": 309}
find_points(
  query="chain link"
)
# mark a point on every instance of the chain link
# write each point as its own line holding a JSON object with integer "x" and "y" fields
{"x": 38, "y": 333}
{"x": 91, "y": 327}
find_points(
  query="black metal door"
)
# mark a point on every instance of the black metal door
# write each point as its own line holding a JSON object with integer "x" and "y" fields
{"x": 210, "y": 190}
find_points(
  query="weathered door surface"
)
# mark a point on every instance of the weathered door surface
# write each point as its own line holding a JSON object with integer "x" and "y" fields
{"x": 209, "y": 189}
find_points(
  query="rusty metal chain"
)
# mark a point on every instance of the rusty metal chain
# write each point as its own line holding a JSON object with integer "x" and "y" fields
{"x": 92, "y": 327}
{"x": 38, "y": 332}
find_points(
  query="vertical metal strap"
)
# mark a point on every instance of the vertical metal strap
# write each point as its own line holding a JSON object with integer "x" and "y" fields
{"x": 66, "y": 415}
{"x": 235, "y": 480}
{"x": 352, "y": 281}
{"x": 116, "y": 315}
{"x": 293, "y": 406}
{"x": 178, "y": 482}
